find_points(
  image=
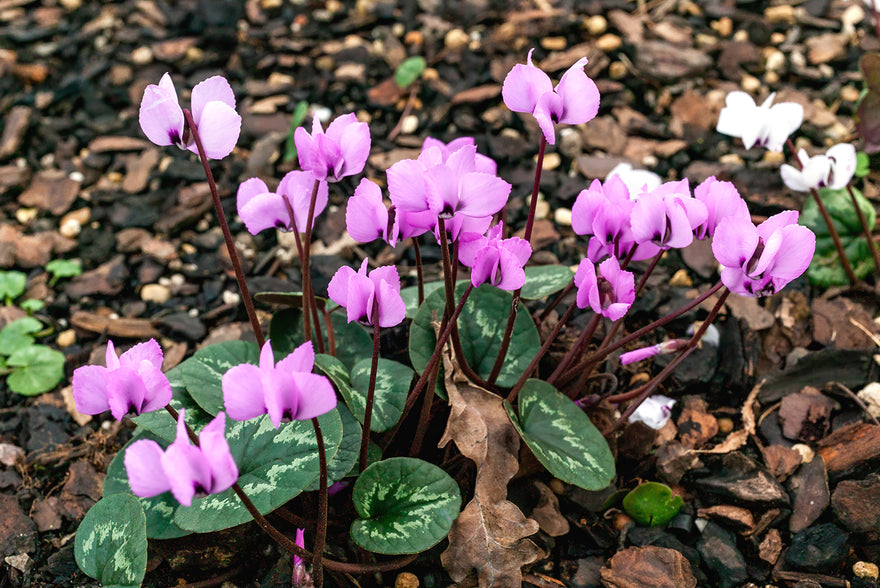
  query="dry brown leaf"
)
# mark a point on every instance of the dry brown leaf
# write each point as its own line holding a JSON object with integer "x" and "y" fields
{"x": 489, "y": 537}
{"x": 547, "y": 512}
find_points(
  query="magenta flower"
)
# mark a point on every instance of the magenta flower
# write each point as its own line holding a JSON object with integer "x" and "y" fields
{"x": 759, "y": 261}
{"x": 573, "y": 101}
{"x": 446, "y": 186}
{"x": 833, "y": 170}
{"x": 261, "y": 209}
{"x": 188, "y": 471}
{"x": 610, "y": 293}
{"x": 366, "y": 217}
{"x": 213, "y": 111}
{"x": 482, "y": 163}
{"x": 667, "y": 216}
{"x": 341, "y": 151}
{"x": 765, "y": 126}
{"x": 285, "y": 391}
{"x": 722, "y": 200}
{"x": 358, "y": 291}
{"x": 130, "y": 383}
{"x": 494, "y": 259}
{"x": 299, "y": 575}
{"x": 670, "y": 346}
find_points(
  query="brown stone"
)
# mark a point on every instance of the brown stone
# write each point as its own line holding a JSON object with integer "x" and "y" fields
{"x": 51, "y": 190}
{"x": 18, "y": 533}
{"x": 648, "y": 567}
{"x": 133, "y": 328}
{"x": 805, "y": 417}
{"x": 108, "y": 279}
{"x": 811, "y": 495}
{"x": 137, "y": 170}
{"x": 850, "y": 447}
{"x": 856, "y": 504}
{"x": 13, "y": 176}
{"x": 833, "y": 324}
{"x": 781, "y": 461}
{"x": 113, "y": 143}
{"x": 16, "y": 124}
{"x": 666, "y": 62}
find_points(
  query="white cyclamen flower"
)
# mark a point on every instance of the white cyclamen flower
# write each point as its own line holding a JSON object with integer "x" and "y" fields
{"x": 638, "y": 181}
{"x": 654, "y": 411}
{"x": 765, "y": 126}
{"x": 833, "y": 170}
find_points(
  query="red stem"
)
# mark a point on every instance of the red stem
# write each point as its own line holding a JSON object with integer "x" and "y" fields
{"x": 533, "y": 205}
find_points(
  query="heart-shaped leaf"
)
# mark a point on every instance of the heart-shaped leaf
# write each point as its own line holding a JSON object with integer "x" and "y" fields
{"x": 340, "y": 465}
{"x": 409, "y": 70}
{"x": 204, "y": 374}
{"x": 111, "y": 541}
{"x": 652, "y": 504}
{"x": 562, "y": 436}
{"x": 544, "y": 280}
{"x": 353, "y": 343}
{"x": 12, "y": 284}
{"x": 481, "y": 326}
{"x": 404, "y": 505}
{"x": 392, "y": 386}
{"x": 36, "y": 369}
{"x": 17, "y": 335}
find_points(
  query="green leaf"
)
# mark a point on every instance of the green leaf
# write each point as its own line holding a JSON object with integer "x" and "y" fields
{"x": 36, "y": 369}
{"x": 352, "y": 340}
{"x": 159, "y": 510}
{"x": 863, "y": 164}
{"x": 64, "y": 268}
{"x": 652, "y": 504}
{"x": 299, "y": 115}
{"x": 392, "y": 386}
{"x": 544, "y": 280}
{"x": 12, "y": 284}
{"x": 404, "y": 505}
{"x": 203, "y": 376}
{"x": 410, "y": 296}
{"x": 32, "y": 305}
{"x": 481, "y": 326}
{"x": 409, "y": 71}
{"x": 274, "y": 467}
{"x": 349, "y": 450}
{"x": 562, "y": 436}
{"x": 825, "y": 269}
{"x": 17, "y": 335}
{"x": 111, "y": 541}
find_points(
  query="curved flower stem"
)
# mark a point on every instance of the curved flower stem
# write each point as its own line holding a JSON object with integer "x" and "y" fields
{"x": 306, "y": 306}
{"x": 321, "y": 531}
{"x": 867, "y": 230}
{"x": 425, "y": 413}
{"x": 585, "y": 337}
{"x": 533, "y": 205}
{"x": 227, "y": 234}
{"x": 644, "y": 391}
{"x": 511, "y": 397}
{"x": 371, "y": 388}
{"x": 308, "y": 294}
{"x": 420, "y": 278}
{"x": 505, "y": 340}
{"x": 832, "y": 230}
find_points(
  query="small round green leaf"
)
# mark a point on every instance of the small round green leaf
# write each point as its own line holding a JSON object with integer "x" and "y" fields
{"x": 64, "y": 268}
{"x": 12, "y": 284}
{"x": 17, "y": 335}
{"x": 36, "y": 369}
{"x": 404, "y": 505}
{"x": 352, "y": 340}
{"x": 392, "y": 386}
{"x": 203, "y": 376}
{"x": 409, "y": 71}
{"x": 652, "y": 504}
{"x": 544, "y": 280}
{"x": 111, "y": 541}
{"x": 481, "y": 326}
{"x": 562, "y": 436}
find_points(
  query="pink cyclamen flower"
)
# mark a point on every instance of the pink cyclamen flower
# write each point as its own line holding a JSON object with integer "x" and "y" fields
{"x": 832, "y": 170}
{"x": 765, "y": 126}
{"x": 261, "y": 209}
{"x": 482, "y": 163}
{"x": 366, "y": 217}
{"x": 341, "y": 151}
{"x": 662, "y": 348}
{"x": 285, "y": 391}
{"x": 299, "y": 575}
{"x": 188, "y": 471}
{"x": 494, "y": 259}
{"x": 667, "y": 216}
{"x": 132, "y": 382}
{"x": 213, "y": 111}
{"x": 722, "y": 199}
{"x": 759, "y": 261}
{"x": 610, "y": 292}
{"x": 357, "y": 291}
{"x": 573, "y": 101}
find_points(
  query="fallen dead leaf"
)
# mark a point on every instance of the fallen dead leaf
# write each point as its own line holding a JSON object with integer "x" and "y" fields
{"x": 738, "y": 438}
{"x": 648, "y": 567}
{"x": 547, "y": 512}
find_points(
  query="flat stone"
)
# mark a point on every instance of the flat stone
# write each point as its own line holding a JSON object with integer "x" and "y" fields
{"x": 18, "y": 533}
{"x": 741, "y": 479}
{"x": 818, "y": 549}
{"x": 13, "y": 176}
{"x": 137, "y": 170}
{"x": 856, "y": 504}
{"x": 16, "y": 123}
{"x": 133, "y": 328}
{"x": 810, "y": 494}
{"x": 648, "y": 567}
{"x": 717, "y": 546}
{"x": 805, "y": 416}
{"x": 51, "y": 190}
{"x": 107, "y": 279}
{"x": 666, "y": 62}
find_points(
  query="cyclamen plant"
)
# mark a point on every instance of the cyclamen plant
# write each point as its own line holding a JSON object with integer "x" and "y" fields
{"x": 292, "y": 430}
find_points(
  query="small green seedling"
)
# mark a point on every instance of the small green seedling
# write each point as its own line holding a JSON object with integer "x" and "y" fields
{"x": 30, "y": 368}
{"x": 652, "y": 504}
{"x": 63, "y": 268}
{"x": 299, "y": 115}
{"x": 12, "y": 285}
{"x": 409, "y": 71}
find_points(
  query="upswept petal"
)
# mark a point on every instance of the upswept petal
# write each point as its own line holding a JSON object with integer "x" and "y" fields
{"x": 482, "y": 194}
{"x": 735, "y": 280}
{"x": 160, "y": 116}
{"x": 265, "y": 211}
{"x": 337, "y": 289}
{"x": 212, "y": 442}
{"x": 738, "y": 106}
{"x": 338, "y": 126}
{"x": 587, "y": 206}
{"x": 546, "y": 112}
{"x": 523, "y": 86}
{"x": 143, "y": 466}
{"x": 305, "y": 146}
{"x": 327, "y": 160}
{"x": 209, "y": 90}
{"x": 249, "y": 189}
{"x": 442, "y": 189}
{"x": 243, "y": 394}
{"x": 317, "y": 396}
{"x": 776, "y": 222}
{"x": 148, "y": 351}
{"x": 158, "y": 389}
{"x": 366, "y": 217}
{"x": 845, "y": 160}
{"x": 301, "y": 359}
{"x": 387, "y": 273}
{"x": 510, "y": 275}
{"x": 406, "y": 185}
{"x": 359, "y": 300}
{"x": 580, "y": 96}
{"x": 784, "y": 119}
{"x": 413, "y": 224}
{"x": 111, "y": 360}
{"x": 297, "y": 187}
{"x": 392, "y": 309}
{"x": 794, "y": 254}
{"x": 267, "y": 357}
{"x": 355, "y": 147}
{"x": 90, "y": 389}
{"x": 282, "y": 397}
{"x": 462, "y": 161}
{"x": 219, "y": 128}
{"x": 485, "y": 266}
{"x": 186, "y": 469}
{"x": 649, "y": 218}
{"x": 735, "y": 242}
{"x": 469, "y": 245}
{"x": 462, "y": 223}
{"x": 585, "y": 280}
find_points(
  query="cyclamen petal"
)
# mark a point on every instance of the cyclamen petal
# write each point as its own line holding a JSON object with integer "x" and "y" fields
{"x": 339, "y": 152}
{"x": 765, "y": 125}
{"x": 366, "y": 217}
{"x": 219, "y": 129}
{"x": 356, "y": 291}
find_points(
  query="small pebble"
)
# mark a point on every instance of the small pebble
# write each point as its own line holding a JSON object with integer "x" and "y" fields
{"x": 456, "y": 40}
{"x": 723, "y": 26}
{"x": 66, "y": 338}
{"x": 774, "y": 60}
{"x": 608, "y": 42}
{"x": 70, "y": 228}
{"x": 71, "y": 4}
{"x": 542, "y": 210}
{"x": 230, "y": 297}
{"x": 867, "y": 570}
{"x": 554, "y": 43}
{"x": 406, "y": 580}
{"x": 784, "y": 13}
{"x": 562, "y": 216}
{"x": 853, "y": 15}
{"x": 551, "y": 161}
{"x": 725, "y": 425}
{"x": 409, "y": 125}
{"x": 773, "y": 157}
{"x": 596, "y": 25}
{"x": 806, "y": 452}
{"x": 142, "y": 56}
{"x": 771, "y": 78}
{"x": 617, "y": 70}
{"x": 414, "y": 38}
{"x": 26, "y": 215}
{"x": 849, "y": 93}
{"x": 681, "y": 278}
{"x": 777, "y": 38}
{"x": 557, "y": 486}
{"x": 750, "y": 83}
{"x": 155, "y": 293}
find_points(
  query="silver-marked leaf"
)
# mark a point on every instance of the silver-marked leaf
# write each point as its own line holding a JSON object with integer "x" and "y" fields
{"x": 410, "y": 296}
{"x": 562, "y": 436}
{"x": 544, "y": 280}
{"x": 349, "y": 449}
{"x": 274, "y": 466}
{"x": 481, "y": 325}
{"x": 352, "y": 340}
{"x": 392, "y": 386}
{"x": 159, "y": 510}
{"x": 404, "y": 505}
{"x": 336, "y": 371}
{"x": 160, "y": 422}
{"x": 203, "y": 376}
{"x": 111, "y": 541}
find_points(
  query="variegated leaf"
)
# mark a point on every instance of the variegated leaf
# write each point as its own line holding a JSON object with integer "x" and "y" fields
{"x": 353, "y": 342}
{"x": 392, "y": 385}
{"x": 111, "y": 541}
{"x": 562, "y": 436}
{"x": 544, "y": 280}
{"x": 160, "y": 423}
{"x": 202, "y": 377}
{"x": 405, "y": 505}
{"x": 410, "y": 296}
